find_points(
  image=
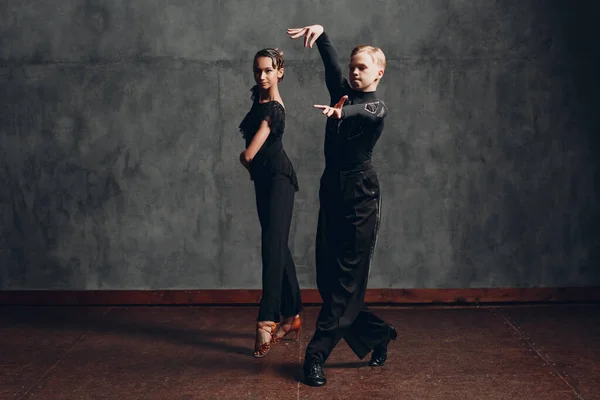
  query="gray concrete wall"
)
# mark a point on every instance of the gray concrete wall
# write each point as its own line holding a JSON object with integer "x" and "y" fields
{"x": 119, "y": 141}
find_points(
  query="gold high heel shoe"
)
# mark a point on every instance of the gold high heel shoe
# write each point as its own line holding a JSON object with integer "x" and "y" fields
{"x": 261, "y": 350}
{"x": 295, "y": 327}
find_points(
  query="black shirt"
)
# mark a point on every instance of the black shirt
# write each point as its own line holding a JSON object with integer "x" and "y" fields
{"x": 349, "y": 140}
{"x": 271, "y": 159}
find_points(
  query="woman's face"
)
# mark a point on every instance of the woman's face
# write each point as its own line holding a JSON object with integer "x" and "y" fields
{"x": 265, "y": 74}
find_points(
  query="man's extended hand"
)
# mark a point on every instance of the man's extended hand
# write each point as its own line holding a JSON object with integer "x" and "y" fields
{"x": 311, "y": 34}
{"x": 334, "y": 112}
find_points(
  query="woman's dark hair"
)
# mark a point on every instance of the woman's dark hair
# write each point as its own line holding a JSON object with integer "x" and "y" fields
{"x": 276, "y": 57}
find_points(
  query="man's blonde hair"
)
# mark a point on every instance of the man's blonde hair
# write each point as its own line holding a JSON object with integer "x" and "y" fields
{"x": 375, "y": 52}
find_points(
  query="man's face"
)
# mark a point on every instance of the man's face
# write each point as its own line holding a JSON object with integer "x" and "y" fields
{"x": 363, "y": 72}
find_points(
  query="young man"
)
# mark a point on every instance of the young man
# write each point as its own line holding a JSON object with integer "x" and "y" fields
{"x": 350, "y": 203}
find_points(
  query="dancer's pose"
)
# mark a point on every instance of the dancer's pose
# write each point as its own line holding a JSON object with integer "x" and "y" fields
{"x": 350, "y": 203}
{"x": 275, "y": 185}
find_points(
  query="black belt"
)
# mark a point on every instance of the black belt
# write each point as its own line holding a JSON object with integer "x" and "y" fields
{"x": 354, "y": 166}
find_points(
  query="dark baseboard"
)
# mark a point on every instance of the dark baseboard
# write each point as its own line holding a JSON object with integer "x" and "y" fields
{"x": 309, "y": 296}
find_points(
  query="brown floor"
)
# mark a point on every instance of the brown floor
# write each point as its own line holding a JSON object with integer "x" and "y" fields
{"x": 126, "y": 353}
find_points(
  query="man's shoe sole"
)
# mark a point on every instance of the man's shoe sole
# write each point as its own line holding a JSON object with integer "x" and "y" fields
{"x": 310, "y": 382}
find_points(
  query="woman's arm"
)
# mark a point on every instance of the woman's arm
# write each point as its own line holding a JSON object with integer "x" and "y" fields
{"x": 256, "y": 143}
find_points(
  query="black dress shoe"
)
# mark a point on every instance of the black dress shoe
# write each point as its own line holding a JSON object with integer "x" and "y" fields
{"x": 380, "y": 351}
{"x": 313, "y": 374}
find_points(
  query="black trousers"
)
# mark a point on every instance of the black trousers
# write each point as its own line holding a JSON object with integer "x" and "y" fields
{"x": 275, "y": 203}
{"x": 350, "y": 204}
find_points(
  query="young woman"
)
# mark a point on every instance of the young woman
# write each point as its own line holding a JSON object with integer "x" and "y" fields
{"x": 275, "y": 185}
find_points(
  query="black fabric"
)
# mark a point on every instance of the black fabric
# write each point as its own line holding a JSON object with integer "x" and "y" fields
{"x": 351, "y": 139}
{"x": 281, "y": 292}
{"x": 347, "y": 229}
{"x": 271, "y": 159}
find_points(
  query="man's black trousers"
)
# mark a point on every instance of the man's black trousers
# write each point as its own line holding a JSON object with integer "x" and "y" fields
{"x": 348, "y": 224}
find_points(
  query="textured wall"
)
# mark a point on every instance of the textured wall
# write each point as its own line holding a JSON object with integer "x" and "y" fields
{"x": 119, "y": 141}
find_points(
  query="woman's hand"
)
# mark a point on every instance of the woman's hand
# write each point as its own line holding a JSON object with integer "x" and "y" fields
{"x": 244, "y": 161}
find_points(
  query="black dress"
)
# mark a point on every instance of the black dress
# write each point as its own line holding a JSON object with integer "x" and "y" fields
{"x": 275, "y": 185}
